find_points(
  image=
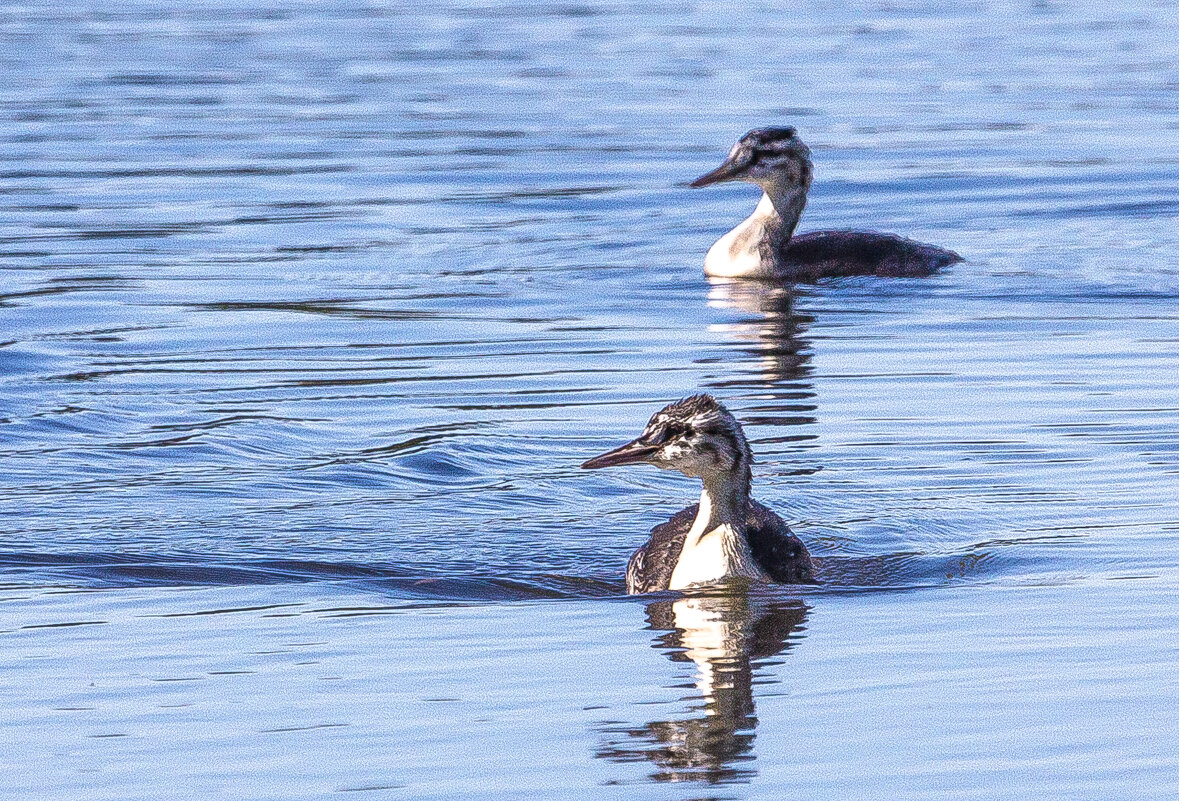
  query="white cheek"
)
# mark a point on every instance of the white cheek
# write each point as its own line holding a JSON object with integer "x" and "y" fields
{"x": 673, "y": 457}
{"x": 674, "y": 452}
{"x": 678, "y": 456}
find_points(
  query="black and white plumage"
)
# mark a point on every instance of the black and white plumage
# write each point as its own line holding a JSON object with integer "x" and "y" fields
{"x": 777, "y": 551}
{"x": 728, "y": 533}
{"x": 764, "y": 245}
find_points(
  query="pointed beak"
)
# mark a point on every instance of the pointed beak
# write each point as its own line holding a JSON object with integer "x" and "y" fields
{"x": 733, "y": 169}
{"x": 630, "y": 453}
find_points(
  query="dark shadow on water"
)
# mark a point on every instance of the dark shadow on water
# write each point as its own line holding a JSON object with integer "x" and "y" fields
{"x": 124, "y": 570}
{"x": 837, "y": 574}
{"x": 725, "y": 639}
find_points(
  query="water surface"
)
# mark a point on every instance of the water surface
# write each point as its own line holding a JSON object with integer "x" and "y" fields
{"x": 310, "y": 313}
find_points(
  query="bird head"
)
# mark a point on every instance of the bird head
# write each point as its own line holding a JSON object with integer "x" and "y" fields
{"x": 772, "y": 158}
{"x": 697, "y": 436}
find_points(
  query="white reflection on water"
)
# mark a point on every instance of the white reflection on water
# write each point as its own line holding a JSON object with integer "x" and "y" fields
{"x": 726, "y": 637}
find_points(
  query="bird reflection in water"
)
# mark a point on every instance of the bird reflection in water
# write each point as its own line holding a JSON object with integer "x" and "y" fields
{"x": 774, "y": 352}
{"x": 726, "y": 637}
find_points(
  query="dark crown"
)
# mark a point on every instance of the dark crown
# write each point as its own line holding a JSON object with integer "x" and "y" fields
{"x": 765, "y": 136}
{"x": 702, "y": 414}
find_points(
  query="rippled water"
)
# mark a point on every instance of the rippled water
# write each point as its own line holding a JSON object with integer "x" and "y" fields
{"x": 311, "y": 312}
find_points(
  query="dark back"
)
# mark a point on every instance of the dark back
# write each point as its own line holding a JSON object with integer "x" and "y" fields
{"x": 779, "y": 553}
{"x": 831, "y": 254}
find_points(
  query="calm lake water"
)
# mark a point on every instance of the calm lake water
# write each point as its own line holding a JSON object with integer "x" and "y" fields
{"x": 310, "y": 312}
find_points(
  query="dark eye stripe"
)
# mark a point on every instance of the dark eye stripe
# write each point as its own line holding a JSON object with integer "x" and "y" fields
{"x": 664, "y": 433}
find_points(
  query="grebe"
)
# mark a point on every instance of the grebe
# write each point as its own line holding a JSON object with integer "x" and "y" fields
{"x": 728, "y": 533}
{"x": 764, "y": 246}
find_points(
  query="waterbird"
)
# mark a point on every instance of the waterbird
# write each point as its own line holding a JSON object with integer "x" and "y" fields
{"x": 764, "y": 245}
{"x": 727, "y": 534}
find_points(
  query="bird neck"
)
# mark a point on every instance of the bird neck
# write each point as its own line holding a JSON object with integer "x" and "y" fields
{"x": 724, "y": 501}
{"x": 781, "y": 204}
{"x": 751, "y": 249}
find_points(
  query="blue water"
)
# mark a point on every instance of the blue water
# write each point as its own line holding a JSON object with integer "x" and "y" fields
{"x": 308, "y": 314}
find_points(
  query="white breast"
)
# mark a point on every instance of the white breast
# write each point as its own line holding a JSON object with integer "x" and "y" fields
{"x": 729, "y": 259}
{"x": 737, "y": 254}
{"x": 720, "y": 554}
